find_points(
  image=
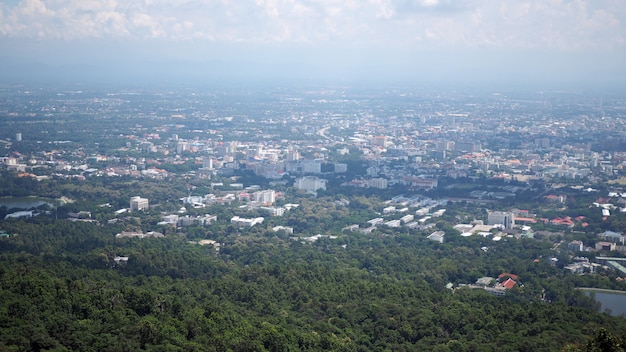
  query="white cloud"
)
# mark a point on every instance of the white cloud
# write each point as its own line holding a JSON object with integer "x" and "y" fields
{"x": 554, "y": 24}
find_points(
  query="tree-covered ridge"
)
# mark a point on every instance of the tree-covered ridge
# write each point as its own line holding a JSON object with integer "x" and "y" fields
{"x": 62, "y": 290}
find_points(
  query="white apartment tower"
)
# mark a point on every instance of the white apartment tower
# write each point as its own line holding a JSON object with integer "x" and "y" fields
{"x": 265, "y": 197}
{"x": 506, "y": 219}
{"x": 310, "y": 183}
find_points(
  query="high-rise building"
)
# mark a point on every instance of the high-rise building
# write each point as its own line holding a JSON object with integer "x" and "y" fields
{"x": 310, "y": 183}
{"x": 311, "y": 166}
{"x": 379, "y": 141}
{"x": 506, "y": 219}
{"x": 292, "y": 155}
{"x": 340, "y": 167}
{"x": 267, "y": 196}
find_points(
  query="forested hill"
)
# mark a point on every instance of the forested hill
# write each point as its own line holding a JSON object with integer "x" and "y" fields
{"x": 62, "y": 291}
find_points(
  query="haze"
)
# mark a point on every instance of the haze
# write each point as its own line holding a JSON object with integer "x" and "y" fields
{"x": 563, "y": 43}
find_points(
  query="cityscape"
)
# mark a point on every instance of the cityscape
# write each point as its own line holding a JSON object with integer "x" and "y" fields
{"x": 327, "y": 167}
{"x": 319, "y": 175}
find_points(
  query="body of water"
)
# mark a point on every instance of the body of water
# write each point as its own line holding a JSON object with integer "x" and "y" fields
{"x": 613, "y": 302}
{"x": 26, "y": 202}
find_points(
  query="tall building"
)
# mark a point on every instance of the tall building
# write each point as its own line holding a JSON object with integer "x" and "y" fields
{"x": 182, "y": 146}
{"x": 377, "y": 183}
{"x": 292, "y": 155}
{"x": 310, "y": 183}
{"x": 506, "y": 219}
{"x": 311, "y": 166}
{"x": 575, "y": 246}
{"x": 379, "y": 141}
{"x": 341, "y": 167}
{"x": 138, "y": 203}
{"x": 267, "y": 196}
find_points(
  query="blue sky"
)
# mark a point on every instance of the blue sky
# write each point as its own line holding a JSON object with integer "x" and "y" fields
{"x": 558, "y": 41}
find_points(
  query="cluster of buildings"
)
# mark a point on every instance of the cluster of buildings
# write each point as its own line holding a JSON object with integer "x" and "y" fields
{"x": 452, "y": 135}
{"x": 495, "y": 286}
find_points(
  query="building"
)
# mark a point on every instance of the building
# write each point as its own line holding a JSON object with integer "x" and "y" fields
{"x": 265, "y": 197}
{"x": 138, "y": 203}
{"x": 196, "y": 220}
{"x": 575, "y": 246}
{"x": 506, "y": 219}
{"x": 310, "y": 183}
{"x": 243, "y": 222}
{"x": 437, "y": 236}
{"x": 605, "y": 246}
{"x": 613, "y": 237}
{"x": 422, "y": 182}
{"x": 379, "y": 141}
{"x": 139, "y": 234}
{"x": 292, "y": 155}
{"x": 380, "y": 183}
{"x": 287, "y": 229}
{"x": 376, "y": 221}
{"x": 407, "y": 218}
{"x": 311, "y": 166}
{"x": 274, "y": 211}
{"x": 340, "y": 167}
{"x": 393, "y": 223}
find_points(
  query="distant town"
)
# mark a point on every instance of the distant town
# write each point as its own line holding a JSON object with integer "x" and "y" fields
{"x": 544, "y": 164}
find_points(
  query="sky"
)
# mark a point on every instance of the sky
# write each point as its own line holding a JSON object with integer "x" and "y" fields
{"x": 563, "y": 42}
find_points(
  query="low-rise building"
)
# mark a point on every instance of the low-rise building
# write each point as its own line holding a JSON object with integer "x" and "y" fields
{"x": 437, "y": 236}
{"x": 138, "y": 203}
{"x": 243, "y": 222}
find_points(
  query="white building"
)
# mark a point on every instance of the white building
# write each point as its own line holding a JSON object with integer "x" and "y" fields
{"x": 265, "y": 197}
{"x": 506, "y": 219}
{"x": 380, "y": 183}
{"x": 407, "y": 218}
{"x": 437, "y": 236}
{"x": 310, "y": 183}
{"x": 376, "y": 221}
{"x": 393, "y": 223}
{"x": 138, "y": 203}
{"x": 287, "y": 229}
{"x": 274, "y": 211}
{"x": 243, "y": 222}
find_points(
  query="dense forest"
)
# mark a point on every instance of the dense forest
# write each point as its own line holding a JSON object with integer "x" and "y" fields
{"x": 260, "y": 290}
{"x": 62, "y": 290}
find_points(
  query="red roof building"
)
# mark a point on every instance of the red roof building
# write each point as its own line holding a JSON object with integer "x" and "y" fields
{"x": 508, "y": 284}
{"x": 503, "y": 275}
